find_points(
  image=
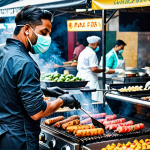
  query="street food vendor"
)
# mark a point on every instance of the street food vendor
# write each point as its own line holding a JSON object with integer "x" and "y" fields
{"x": 88, "y": 67}
{"x": 114, "y": 59}
{"x": 80, "y": 47}
{"x": 21, "y": 101}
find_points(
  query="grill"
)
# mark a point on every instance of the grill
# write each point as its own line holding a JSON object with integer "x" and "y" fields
{"x": 129, "y": 107}
{"x": 109, "y": 135}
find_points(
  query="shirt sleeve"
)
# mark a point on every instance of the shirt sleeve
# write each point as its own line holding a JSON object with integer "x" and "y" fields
{"x": 93, "y": 61}
{"x": 28, "y": 86}
{"x": 75, "y": 51}
{"x": 109, "y": 61}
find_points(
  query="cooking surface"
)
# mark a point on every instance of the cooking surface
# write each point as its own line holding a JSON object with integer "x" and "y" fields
{"x": 109, "y": 135}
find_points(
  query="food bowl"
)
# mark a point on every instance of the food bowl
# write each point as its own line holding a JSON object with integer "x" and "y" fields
{"x": 142, "y": 74}
{"x": 130, "y": 74}
{"x": 129, "y": 68}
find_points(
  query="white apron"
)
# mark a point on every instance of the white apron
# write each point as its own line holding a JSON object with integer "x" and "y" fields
{"x": 93, "y": 84}
{"x": 120, "y": 65}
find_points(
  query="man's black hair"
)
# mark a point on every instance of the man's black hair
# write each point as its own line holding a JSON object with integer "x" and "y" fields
{"x": 119, "y": 43}
{"x": 80, "y": 40}
{"x": 31, "y": 15}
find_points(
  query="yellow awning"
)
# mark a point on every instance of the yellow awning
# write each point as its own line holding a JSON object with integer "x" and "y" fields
{"x": 117, "y": 4}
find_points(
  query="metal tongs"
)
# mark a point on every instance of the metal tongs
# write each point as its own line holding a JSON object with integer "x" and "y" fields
{"x": 94, "y": 121}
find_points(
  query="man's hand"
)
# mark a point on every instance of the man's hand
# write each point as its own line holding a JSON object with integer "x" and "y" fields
{"x": 120, "y": 71}
{"x": 53, "y": 91}
{"x": 70, "y": 101}
{"x": 106, "y": 69}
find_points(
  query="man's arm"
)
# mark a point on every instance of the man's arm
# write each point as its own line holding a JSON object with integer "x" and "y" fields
{"x": 51, "y": 108}
{"x": 28, "y": 85}
{"x": 97, "y": 70}
{"x": 111, "y": 71}
{"x": 75, "y": 57}
{"x": 67, "y": 100}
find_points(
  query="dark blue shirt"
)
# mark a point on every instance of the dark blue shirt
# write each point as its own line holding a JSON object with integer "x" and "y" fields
{"x": 20, "y": 97}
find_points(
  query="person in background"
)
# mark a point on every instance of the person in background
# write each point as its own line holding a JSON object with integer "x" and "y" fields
{"x": 114, "y": 59}
{"x": 21, "y": 102}
{"x": 80, "y": 47}
{"x": 88, "y": 66}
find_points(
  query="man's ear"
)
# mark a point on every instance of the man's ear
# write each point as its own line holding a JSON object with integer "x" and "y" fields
{"x": 27, "y": 33}
{"x": 26, "y": 29}
{"x": 116, "y": 47}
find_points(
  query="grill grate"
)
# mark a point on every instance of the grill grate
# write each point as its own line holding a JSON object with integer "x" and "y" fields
{"x": 109, "y": 135}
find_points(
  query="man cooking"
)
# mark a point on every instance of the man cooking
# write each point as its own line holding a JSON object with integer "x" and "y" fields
{"x": 114, "y": 59}
{"x": 80, "y": 47}
{"x": 21, "y": 100}
{"x": 88, "y": 67}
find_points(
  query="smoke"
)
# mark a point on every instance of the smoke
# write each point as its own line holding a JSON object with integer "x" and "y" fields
{"x": 58, "y": 51}
{"x": 130, "y": 27}
{"x": 108, "y": 110}
{"x": 6, "y": 31}
{"x": 47, "y": 60}
{"x": 7, "y": 27}
{"x": 86, "y": 103}
{"x": 127, "y": 109}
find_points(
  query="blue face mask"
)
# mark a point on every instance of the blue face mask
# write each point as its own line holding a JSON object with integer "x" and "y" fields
{"x": 97, "y": 49}
{"x": 42, "y": 45}
{"x": 120, "y": 52}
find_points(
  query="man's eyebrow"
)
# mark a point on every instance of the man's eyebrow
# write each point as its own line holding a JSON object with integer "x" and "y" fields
{"x": 45, "y": 29}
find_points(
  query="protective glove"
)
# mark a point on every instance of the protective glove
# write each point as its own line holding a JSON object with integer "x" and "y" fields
{"x": 106, "y": 69}
{"x": 147, "y": 85}
{"x": 53, "y": 91}
{"x": 120, "y": 71}
{"x": 70, "y": 101}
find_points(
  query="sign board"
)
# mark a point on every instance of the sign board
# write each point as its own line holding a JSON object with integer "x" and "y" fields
{"x": 117, "y": 4}
{"x": 85, "y": 25}
{"x": 9, "y": 12}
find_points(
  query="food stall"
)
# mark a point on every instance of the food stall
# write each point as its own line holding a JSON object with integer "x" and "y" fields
{"x": 130, "y": 111}
{"x": 138, "y": 114}
{"x": 127, "y": 110}
{"x": 56, "y": 136}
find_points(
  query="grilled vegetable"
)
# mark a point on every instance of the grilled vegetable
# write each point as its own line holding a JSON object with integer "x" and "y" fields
{"x": 136, "y": 145}
{"x": 56, "y": 77}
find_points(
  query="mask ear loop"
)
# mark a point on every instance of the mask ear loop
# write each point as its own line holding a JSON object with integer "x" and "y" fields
{"x": 29, "y": 40}
{"x": 28, "y": 37}
{"x": 26, "y": 34}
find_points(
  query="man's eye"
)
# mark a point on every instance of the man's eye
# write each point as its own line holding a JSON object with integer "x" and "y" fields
{"x": 43, "y": 33}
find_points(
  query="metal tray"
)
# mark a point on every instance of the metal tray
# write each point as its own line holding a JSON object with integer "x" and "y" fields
{"x": 118, "y": 86}
{"x": 75, "y": 84}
